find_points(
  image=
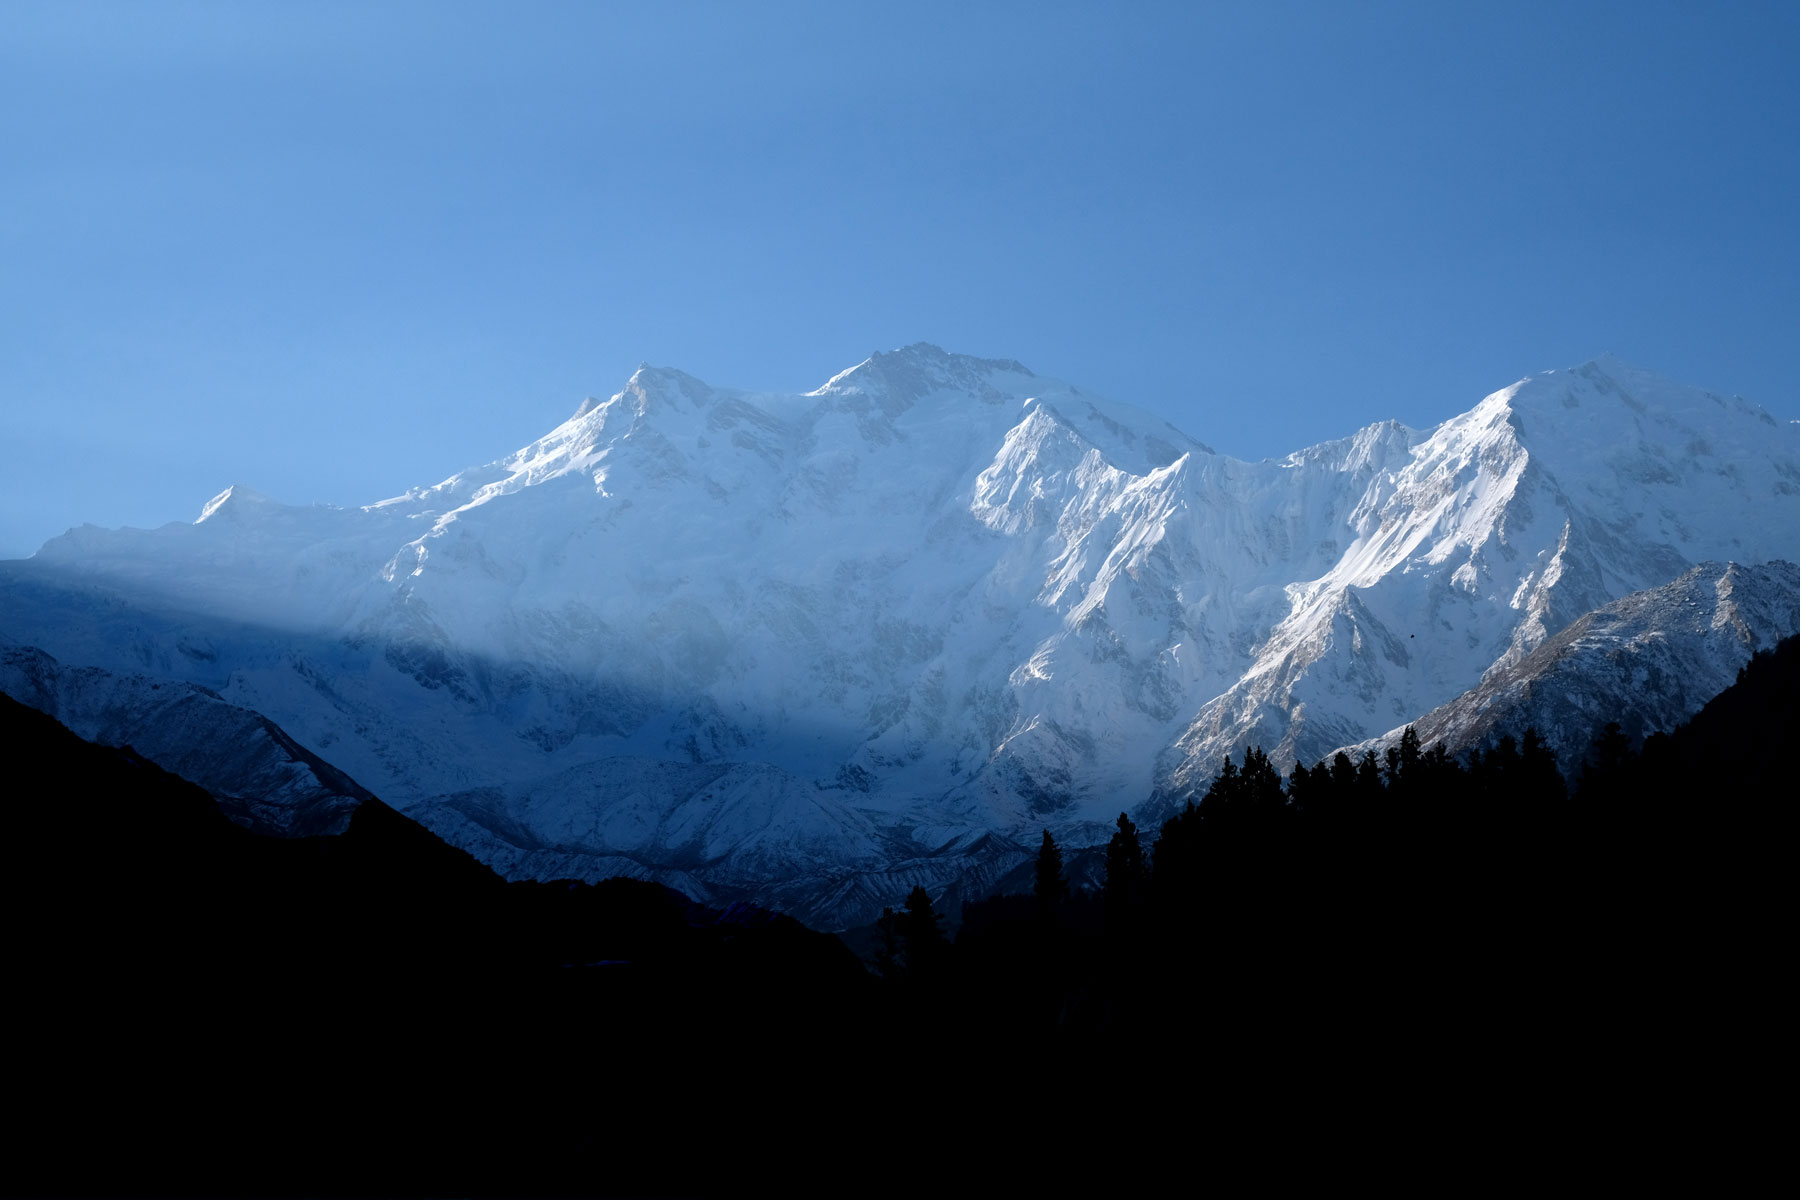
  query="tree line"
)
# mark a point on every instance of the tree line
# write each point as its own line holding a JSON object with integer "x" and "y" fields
{"x": 1408, "y": 894}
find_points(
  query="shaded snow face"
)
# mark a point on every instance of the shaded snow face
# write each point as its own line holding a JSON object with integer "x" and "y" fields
{"x": 936, "y": 596}
{"x": 261, "y": 777}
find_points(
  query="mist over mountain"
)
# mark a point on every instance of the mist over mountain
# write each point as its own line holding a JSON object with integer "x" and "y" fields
{"x": 818, "y": 649}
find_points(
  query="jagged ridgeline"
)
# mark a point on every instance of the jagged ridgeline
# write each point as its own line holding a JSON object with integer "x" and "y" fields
{"x": 818, "y": 650}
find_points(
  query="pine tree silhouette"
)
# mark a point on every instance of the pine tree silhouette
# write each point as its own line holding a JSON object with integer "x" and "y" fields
{"x": 1125, "y": 875}
{"x": 1050, "y": 887}
{"x": 887, "y": 957}
{"x": 922, "y": 936}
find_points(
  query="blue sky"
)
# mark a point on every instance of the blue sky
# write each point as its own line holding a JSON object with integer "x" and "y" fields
{"x": 335, "y": 250}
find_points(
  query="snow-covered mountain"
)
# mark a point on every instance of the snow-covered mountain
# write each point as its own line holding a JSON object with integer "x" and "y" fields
{"x": 1474, "y": 542}
{"x": 1649, "y": 661}
{"x": 816, "y": 648}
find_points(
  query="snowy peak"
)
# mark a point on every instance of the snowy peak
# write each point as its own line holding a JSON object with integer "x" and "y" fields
{"x": 914, "y": 372}
{"x": 945, "y": 415}
{"x": 1130, "y": 437}
{"x": 1639, "y": 407}
{"x": 1647, "y": 460}
{"x": 651, "y": 388}
{"x": 1383, "y": 446}
{"x": 234, "y": 503}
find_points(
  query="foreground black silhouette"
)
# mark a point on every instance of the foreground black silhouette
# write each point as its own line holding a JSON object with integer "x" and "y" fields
{"x": 1337, "y": 969}
{"x": 201, "y": 1010}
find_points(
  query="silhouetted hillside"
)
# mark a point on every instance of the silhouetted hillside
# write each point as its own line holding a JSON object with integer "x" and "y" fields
{"x": 1293, "y": 966}
{"x": 211, "y": 1011}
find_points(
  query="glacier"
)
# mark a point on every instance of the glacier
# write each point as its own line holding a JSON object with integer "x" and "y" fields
{"x": 815, "y": 649}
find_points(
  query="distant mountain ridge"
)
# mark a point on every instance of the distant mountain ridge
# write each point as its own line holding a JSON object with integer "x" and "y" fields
{"x": 261, "y": 777}
{"x": 815, "y": 649}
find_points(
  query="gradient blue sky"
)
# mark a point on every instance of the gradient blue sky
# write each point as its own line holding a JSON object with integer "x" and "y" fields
{"x": 335, "y": 250}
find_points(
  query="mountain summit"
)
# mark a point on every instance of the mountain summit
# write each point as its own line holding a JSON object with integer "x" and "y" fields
{"x": 819, "y": 648}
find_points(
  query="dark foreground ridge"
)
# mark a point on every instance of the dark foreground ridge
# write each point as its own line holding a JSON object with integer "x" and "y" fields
{"x": 209, "y": 1011}
{"x": 1418, "y": 969}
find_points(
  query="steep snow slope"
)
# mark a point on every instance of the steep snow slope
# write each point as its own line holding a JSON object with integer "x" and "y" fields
{"x": 1550, "y": 498}
{"x": 830, "y": 642}
{"x": 1649, "y": 661}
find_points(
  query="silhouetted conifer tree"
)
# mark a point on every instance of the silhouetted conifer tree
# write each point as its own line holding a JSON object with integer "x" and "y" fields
{"x": 1410, "y": 752}
{"x": 1438, "y": 765}
{"x": 1503, "y": 760}
{"x": 1437, "y": 794}
{"x": 1301, "y": 793}
{"x": 1219, "y": 804}
{"x": 1125, "y": 876}
{"x": 1050, "y": 887}
{"x": 1334, "y": 790}
{"x": 922, "y": 936}
{"x": 1261, "y": 796}
{"x": 1538, "y": 773}
{"x": 1407, "y": 803}
{"x": 1603, "y": 774}
{"x": 887, "y": 957}
{"x": 1367, "y": 785}
{"x": 1174, "y": 867}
